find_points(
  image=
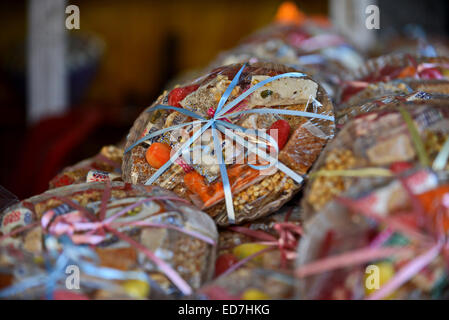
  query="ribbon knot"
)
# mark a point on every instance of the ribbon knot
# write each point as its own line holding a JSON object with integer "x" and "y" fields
{"x": 287, "y": 241}
{"x": 289, "y": 234}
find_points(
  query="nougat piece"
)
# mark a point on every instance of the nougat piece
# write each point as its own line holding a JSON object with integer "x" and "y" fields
{"x": 301, "y": 150}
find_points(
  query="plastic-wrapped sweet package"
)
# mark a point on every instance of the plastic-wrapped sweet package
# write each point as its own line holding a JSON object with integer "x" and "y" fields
{"x": 395, "y": 74}
{"x": 347, "y": 112}
{"x": 238, "y": 243}
{"x": 28, "y": 276}
{"x": 413, "y": 39}
{"x": 131, "y": 231}
{"x": 256, "y": 192}
{"x": 256, "y": 260}
{"x": 249, "y": 284}
{"x": 381, "y": 240}
{"x": 375, "y": 141}
{"x": 319, "y": 50}
{"x": 105, "y": 165}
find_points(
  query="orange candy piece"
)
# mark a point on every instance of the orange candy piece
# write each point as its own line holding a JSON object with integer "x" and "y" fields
{"x": 195, "y": 183}
{"x": 407, "y": 72}
{"x": 238, "y": 175}
{"x": 158, "y": 154}
{"x": 288, "y": 12}
{"x": 431, "y": 202}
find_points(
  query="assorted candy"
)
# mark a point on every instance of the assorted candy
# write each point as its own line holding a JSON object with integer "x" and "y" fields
{"x": 298, "y": 139}
{"x": 307, "y": 45}
{"x": 374, "y": 140}
{"x": 130, "y": 231}
{"x": 290, "y": 169}
{"x": 393, "y": 74}
{"x": 105, "y": 165}
{"x": 382, "y": 245}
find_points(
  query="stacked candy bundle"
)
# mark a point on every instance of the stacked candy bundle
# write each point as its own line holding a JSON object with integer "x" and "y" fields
{"x": 384, "y": 239}
{"x": 395, "y": 74}
{"x": 136, "y": 235}
{"x": 231, "y": 148}
{"x": 307, "y": 43}
{"x": 374, "y": 144}
{"x": 248, "y": 104}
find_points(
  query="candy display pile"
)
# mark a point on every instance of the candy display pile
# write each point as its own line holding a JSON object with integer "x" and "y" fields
{"x": 292, "y": 167}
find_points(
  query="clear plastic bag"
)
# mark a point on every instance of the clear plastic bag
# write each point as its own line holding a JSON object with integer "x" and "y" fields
{"x": 318, "y": 50}
{"x": 374, "y": 140}
{"x": 347, "y": 112}
{"x": 105, "y": 165}
{"x": 256, "y": 193}
{"x": 157, "y": 221}
{"x": 363, "y": 222}
{"x": 393, "y": 74}
{"x": 249, "y": 284}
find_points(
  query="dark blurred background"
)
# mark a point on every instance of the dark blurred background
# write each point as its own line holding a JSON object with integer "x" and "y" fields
{"x": 121, "y": 59}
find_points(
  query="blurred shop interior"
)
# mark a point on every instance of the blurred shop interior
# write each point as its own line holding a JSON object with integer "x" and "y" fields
{"x": 124, "y": 55}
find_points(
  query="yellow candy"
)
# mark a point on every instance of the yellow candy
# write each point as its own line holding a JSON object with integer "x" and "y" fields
{"x": 38, "y": 260}
{"x": 380, "y": 272}
{"x": 137, "y": 289}
{"x": 245, "y": 250}
{"x": 254, "y": 294}
{"x": 446, "y": 73}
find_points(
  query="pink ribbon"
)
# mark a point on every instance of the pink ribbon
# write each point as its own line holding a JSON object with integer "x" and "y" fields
{"x": 18, "y": 230}
{"x": 348, "y": 259}
{"x": 287, "y": 242}
{"x": 320, "y": 42}
{"x": 103, "y": 158}
{"x": 407, "y": 272}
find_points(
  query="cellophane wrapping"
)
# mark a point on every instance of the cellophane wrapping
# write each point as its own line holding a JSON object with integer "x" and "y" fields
{"x": 192, "y": 258}
{"x": 374, "y": 140}
{"x": 255, "y": 193}
{"x": 340, "y": 229}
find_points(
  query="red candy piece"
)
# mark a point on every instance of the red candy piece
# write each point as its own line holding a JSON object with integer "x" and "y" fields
{"x": 224, "y": 262}
{"x": 62, "y": 180}
{"x": 387, "y": 73}
{"x": 398, "y": 167}
{"x": 283, "y": 132}
{"x": 178, "y": 94}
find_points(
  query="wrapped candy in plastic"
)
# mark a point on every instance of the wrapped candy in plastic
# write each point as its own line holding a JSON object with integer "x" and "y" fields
{"x": 280, "y": 231}
{"x": 382, "y": 239}
{"x": 376, "y": 143}
{"x": 249, "y": 284}
{"x": 261, "y": 102}
{"x": 70, "y": 273}
{"x": 394, "y": 74}
{"x": 345, "y": 113}
{"x": 105, "y": 165}
{"x": 319, "y": 50}
{"x": 413, "y": 39}
{"x": 129, "y": 228}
